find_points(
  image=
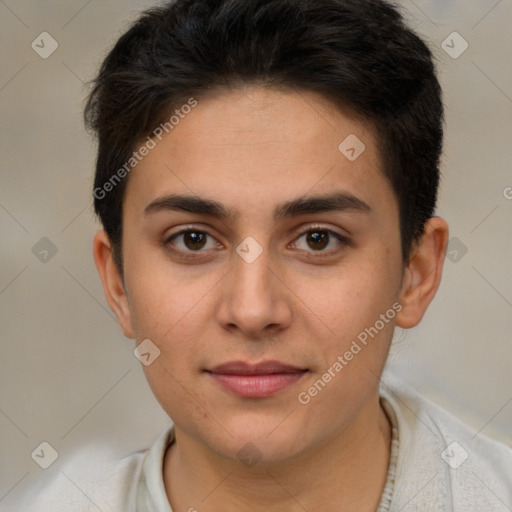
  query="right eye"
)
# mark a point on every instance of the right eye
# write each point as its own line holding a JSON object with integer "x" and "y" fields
{"x": 190, "y": 241}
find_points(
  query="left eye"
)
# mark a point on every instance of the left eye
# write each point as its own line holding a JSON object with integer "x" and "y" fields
{"x": 319, "y": 239}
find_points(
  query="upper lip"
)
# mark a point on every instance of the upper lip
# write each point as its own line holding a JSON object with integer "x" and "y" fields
{"x": 263, "y": 368}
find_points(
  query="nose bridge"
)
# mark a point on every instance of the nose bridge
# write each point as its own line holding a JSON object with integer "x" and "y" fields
{"x": 251, "y": 275}
{"x": 253, "y": 300}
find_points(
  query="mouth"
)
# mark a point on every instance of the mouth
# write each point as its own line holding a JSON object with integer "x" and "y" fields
{"x": 255, "y": 380}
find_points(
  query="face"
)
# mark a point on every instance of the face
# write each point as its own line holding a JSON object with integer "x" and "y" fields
{"x": 281, "y": 255}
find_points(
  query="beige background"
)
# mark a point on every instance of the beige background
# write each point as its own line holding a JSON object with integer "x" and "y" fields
{"x": 67, "y": 375}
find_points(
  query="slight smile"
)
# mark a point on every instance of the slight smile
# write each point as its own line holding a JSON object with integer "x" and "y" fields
{"x": 255, "y": 380}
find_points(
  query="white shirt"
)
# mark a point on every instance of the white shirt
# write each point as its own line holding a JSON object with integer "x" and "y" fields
{"x": 437, "y": 464}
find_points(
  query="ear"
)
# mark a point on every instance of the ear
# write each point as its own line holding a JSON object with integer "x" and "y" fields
{"x": 113, "y": 285}
{"x": 423, "y": 273}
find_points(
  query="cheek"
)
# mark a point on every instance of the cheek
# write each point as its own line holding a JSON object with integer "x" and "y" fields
{"x": 169, "y": 309}
{"x": 174, "y": 391}
{"x": 161, "y": 299}
{"x": 359, "y": 307}
{"x": 361, "y": 315}
{"x": 354, "y": 298}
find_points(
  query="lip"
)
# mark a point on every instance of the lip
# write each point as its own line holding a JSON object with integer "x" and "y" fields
{"x": 255, "y": 380}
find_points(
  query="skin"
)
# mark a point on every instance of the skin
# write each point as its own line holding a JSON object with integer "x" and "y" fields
{"x": 301, "y": 302}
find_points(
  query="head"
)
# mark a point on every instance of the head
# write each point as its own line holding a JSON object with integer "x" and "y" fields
{"x": 306, "y": 137}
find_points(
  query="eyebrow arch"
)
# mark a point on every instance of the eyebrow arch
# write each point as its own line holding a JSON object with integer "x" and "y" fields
{"x": 338, "y": 201}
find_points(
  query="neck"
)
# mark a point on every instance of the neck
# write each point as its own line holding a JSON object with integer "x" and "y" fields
{"x": 347, "y": 472}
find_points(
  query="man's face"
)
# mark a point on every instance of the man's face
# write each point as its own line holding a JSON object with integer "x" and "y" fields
{"x": 267, "y": 283}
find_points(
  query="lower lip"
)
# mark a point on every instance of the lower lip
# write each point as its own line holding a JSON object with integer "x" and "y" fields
{"x": 256, "y": 386}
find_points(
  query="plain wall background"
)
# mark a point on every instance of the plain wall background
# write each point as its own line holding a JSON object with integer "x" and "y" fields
{"x": 67, "y": 374}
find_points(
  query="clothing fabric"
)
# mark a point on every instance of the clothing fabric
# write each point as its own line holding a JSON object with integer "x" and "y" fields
{"x": 437, "y": 464}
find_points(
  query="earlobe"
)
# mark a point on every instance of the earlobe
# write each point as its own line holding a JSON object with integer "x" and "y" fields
{"x": 422, "y": 275}
{"x": 113, "y": 285}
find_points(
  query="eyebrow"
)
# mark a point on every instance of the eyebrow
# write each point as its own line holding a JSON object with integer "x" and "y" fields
{"x": 338, "y": 201}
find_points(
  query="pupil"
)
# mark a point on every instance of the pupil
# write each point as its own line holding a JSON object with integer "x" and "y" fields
{"x": 318, "y": 237}
{"x": 194, "y": 240}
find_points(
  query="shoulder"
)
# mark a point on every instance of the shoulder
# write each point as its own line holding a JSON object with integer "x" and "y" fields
{"x": 442, "y": 462}
{"x": 90, "y": 480}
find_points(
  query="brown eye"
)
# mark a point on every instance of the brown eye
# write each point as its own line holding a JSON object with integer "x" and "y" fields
{"x": 317, "y": 240}
{"x": 322, "y": 241}
{"x": 194, "y": 240}
{"x": 191, "y": 240}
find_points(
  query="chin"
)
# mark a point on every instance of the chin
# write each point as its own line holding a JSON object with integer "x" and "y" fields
{"x": 268, "y": 440}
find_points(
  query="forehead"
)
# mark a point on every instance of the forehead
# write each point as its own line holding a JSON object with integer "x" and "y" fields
{"x": 255, "y": 146}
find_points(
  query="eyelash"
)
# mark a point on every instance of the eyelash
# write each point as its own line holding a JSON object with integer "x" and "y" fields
{"x": 344, "y": 241}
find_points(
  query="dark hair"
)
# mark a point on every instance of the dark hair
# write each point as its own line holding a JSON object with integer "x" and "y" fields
{"x": 357, "y": 53}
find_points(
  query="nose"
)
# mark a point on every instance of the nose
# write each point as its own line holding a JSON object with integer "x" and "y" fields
{"x": 255, "y": 300}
